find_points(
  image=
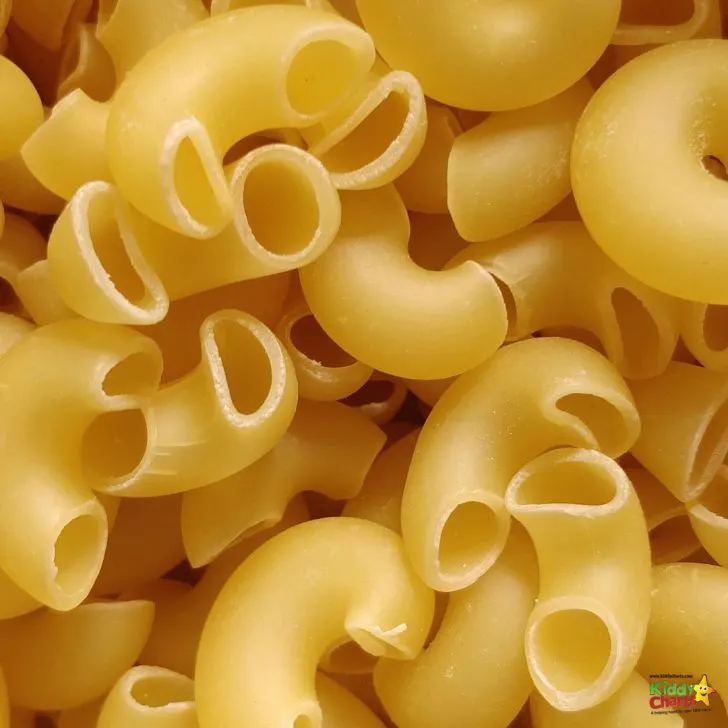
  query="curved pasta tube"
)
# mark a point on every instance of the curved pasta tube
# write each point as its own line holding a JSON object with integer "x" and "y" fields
{"x": 481, "y": 634}
{"x": 491, "y": 57}
{"x": 20, "y": 189}
{"x": 97, "y": 269}
{"x": 178, "y": 334}
{"x": 324, "y": 371}
{"x": 380, "y": 398}
{"x": 39, "y": 297}
{"x": 150, "y": 697}
{"x": 225, "y": 6}
{"x": 512, "y": 168}
{"x": 376, "y": 135}
{"x": 637, "y": 34}
{"x": 21, "y": 245}
{"x": 12, "y": 330}
{"x": 340, "y": 708}
{"x": 68, "y": 149}
{"x": 286, "y": 213}
{"x": 53, "y": 531}
{"x": 683, "y": 596}
{"x": 703, "y": 328}
{"x": 166, "y": 160}
{"x": 398, "y": 317}
{"x": 671, "y": 536}
{"x": 682, "y": 81}
{"x": 181, "y": 610}
{"x": 342, "y": 578}
{"x": 629, "y": 706}
{"x": 85, "y": 716}
{"x": 85, "y": 65}
{"x": 380, "y": 498}
{"x": 684, "y": 436}
{"x": 328, "y": 448}
{"x": 21, "y": 105}
{"x": 218, "y": 419}
{"x": 709, "y": 517}
{"x": 553, "y": 275}
{"x": 423, "y": 186}
{"x": 129, "y": 29}
{"x": 145, "y": 543}
{"x": 529, "y": 397}
{"x": 48, "y": 24}
{"x": 595, "y": 589}
{"x": 56, "y": 661}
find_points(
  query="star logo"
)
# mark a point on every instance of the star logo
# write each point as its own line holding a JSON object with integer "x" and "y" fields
{"x": 702, "y": 691}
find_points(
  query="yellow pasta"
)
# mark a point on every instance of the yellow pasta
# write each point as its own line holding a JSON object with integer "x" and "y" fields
{"x": 552, "y": 275}
{"x": 491, "y": 57}
{"x": 683, "y": 596}
{"x": 586, "y": 633}
{"x": 56, "y": 661}
{"x": 415, "y": 323}
{"x": 14, "y": 602}
{"x": 68, "y": 149}
{"x": 181, "y": 610}
{"x": 340, "y": 708}
{"x": 39, "y": 298}
{"x": 145, "y": 543}
{"x": 128, "y": 29}
{"x": 178, "y": 334}
{"x": 166, "y": 158}
{"x": 84, "y": 717}
{"x": 22, "y": 108}
{"x": 481, "y": 636}
{"x": 96, "y": 265}
{"x": 644, "y": 32}
{"x": 529, "y": 397}
{"x": 53, "y": 531}
{"x": 423, "y": 186}
{"x": 684, "y": 437}
{"x": 380, "y": 398}
{"x": 512, "y": 168}
{"x": 150, "y": 697}
{"x": 629, "y": 707}
{"x": 218, "y": 419}
{"x": 342, "y": 578}
{"x": 671, "y": 536}
{"x": 328, "y": 448}
{"x": 21, "y": 245}
{"x": 48, "y": 23}
{"x": 86, "y": 65}
{"x": 709, "y": 517}
{"x": 286, "y": 213}
{"x": 376, "y": 135}
{"x": 20, "y": 189}
{"x": 703, "y": 329}
{"x": 324, "y": 371}
{"x": 380, "y": 498}
{"x": 666, "y": 100}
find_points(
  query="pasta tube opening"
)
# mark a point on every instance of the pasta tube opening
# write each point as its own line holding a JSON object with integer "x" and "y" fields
{"x": 137, "y": 374}
{"x": 115, "y": 445}
{"x": 376, "y": 142}
{"x": 471, "y": 535}
{"x": 96, "y": 265}
{"x": 705, "y": 333}
{"x": 313, "y": 342}
{"x": 642, "y": 348}
{"x": 570, "y": 649}
{"x": 245, "y": 366}
{"x": 289, "y": 211}
{"x": 79, "y": 551}
{"x": 612, "y": 425}
{"x": 711, "y": 449}
{"x": 158, "y": 688}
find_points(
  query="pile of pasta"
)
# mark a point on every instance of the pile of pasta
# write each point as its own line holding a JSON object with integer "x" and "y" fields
{"x": 363, "y": 363}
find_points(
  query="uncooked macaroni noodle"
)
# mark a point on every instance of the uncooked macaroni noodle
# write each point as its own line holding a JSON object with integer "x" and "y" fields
{"x": 363, "y": 364}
